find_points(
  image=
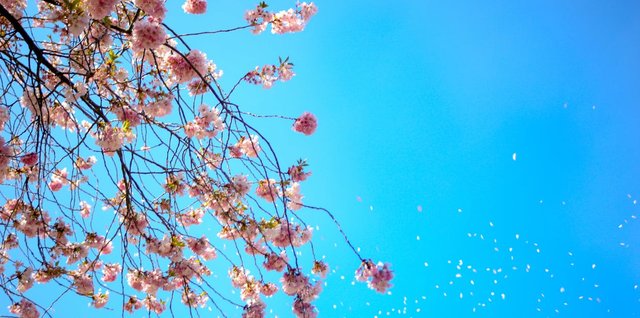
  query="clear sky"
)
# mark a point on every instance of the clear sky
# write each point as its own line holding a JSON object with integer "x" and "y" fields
{"x": 500, "y": 137}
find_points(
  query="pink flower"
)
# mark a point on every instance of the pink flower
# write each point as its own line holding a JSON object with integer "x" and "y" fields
{"x": 268, "y": 289}
{"x": 147, "y": 34}
{"x": 99, "y": 9}
{"x": 30, "y": 159}
{"x": 24, "y": 309}
{"x": 258, "y": 18}
{"x": 154, "y": 8}
{"x": 267, "y": 190}
{"x": 83, "y": 284}
{"x": 306, "y": 123}
{"x": 110, "y": 272}
{"x": 293, "y": 281}
{"x": 275, "y": 262}
{"x": 192, "y": 217}
{"x": 320, "y": 268}
{"x": 192, "y": 299}
{"x": 202, "y": 247}
{"x": 297, "y": 173}
{"x": 295, "y": 198}
{"x": 188, "y": 67}
{"x": 85, "y": 164}
{"x": 160, "y": 107}
{"x": 85, "y": 209}
{"x": 249, "y": 146}
{"x": 4, "y": 114}
{"x": 100, "y": 299}
{"x": 304, "y": 309}
{"x": 132, "y": 304}
{"x": 110, "y": 139}
{"x": 58, "y": 179}
{"x": 55, "y": 186}
{"x": 152, "y": 304}
{"x": 254, "y": 309}
{"x": 26, "y": 280}
{"x": 285, "y": 71}
{"x": 378, "y": 276}
{"x": 381, "y": 278}
{"x": 195, "y": 6}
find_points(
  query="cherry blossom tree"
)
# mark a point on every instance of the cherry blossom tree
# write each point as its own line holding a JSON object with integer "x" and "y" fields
{"x": 118, "y": 143}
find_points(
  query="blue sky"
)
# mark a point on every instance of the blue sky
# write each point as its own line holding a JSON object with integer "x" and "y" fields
{"x": 423, "y": 104}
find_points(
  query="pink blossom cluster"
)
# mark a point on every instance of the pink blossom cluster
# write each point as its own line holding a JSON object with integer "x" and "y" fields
{"x": 98, "y": 242}
{"x": 99, "y": 9}
{"x": 83, "y": 283}
{"x": 184, "y": 69}
{"x": 147, "y": 281}
{"x": 250, "y": 291}
{"x": 211, "y": 160}
{"x": 191, "y": 217}
{"x": 240, "y": 185}
{"x": 320, "y": 268}
{"x": 148, "y": 34}
{"x": 195, "y": 6}
{"x": 111, "y": 139}
{"x": 202, "y": 247}
{"x": 134, "y": 223}
{"x": 25, "y": 279}
{"x": 4, "y": 116}
{"x": 15, "y": 7}
{"x": 378, "y": 276}
{"x": 153, "y": 304}
{"x": 306, "y": 124}
{"x": 285, "y": 234}
{"x": 185, "y": 270}
{"x": 285, "y": 21}
{"x": 85, "y": 164}
{"x": 268, "y": 289}
{"x": 297, "y": 173}
{"x": 259, "y": 18}
{"x": 192, "y": 299}
{"x": 159, "y": 107}
{"x": 110, "y": 272}
{"x": 269, "y": 74}
{"x": 100, "y": 299}
{"x": 5, "y": 158}
{"x": 294, "y": 197}
{"x": 127, "y": 115}
{"x": 245, "y": 146}
{"x": 132, "y": 304}
{"x": 208, "y": 124}
{"x": 30, "y": 159}
{"x": 61, "y": 114}
{"x": 268, "y": 190}
{"x": 26, "y": 219}
{"x": 254, "y": 309}
{"x": 170, "y": 247}
{"x": 24, "y": 309}
{"x": 275, "y": 262}
{"x": 174, "y": 184}
{"x": 296, "y": 283}
{"x": 85, "y": 209}
{"x": 59, "y": 178}
{"x": 154, "y": 8}
{"x": 59, "y": 233}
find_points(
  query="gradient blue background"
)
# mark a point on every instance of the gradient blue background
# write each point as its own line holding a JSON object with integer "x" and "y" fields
{"x": 423, "y": 103}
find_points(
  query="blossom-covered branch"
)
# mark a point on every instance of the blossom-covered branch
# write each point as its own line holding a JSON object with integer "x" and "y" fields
{"x": 118, "y": 142}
